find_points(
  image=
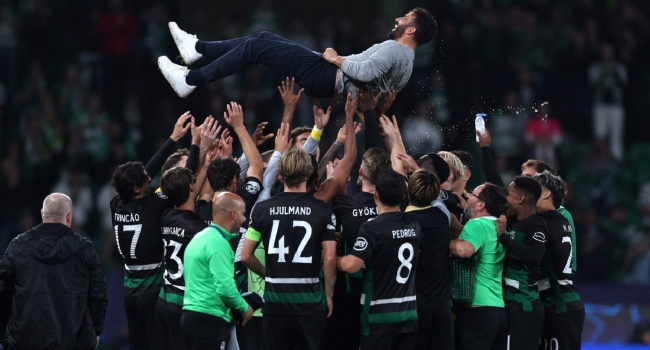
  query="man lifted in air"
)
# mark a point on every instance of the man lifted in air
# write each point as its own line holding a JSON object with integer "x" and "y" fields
{"x": 383, "y": 67}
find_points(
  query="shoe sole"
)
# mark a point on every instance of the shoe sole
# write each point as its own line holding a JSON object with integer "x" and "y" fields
{"x": 168, "y": 78}
{"x": 177, "y": 41}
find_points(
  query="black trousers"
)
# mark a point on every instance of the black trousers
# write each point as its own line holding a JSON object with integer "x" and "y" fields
{"x": 395, "y": 341}
{"x": 481, "y": 328}
{"x": 141, "y": 317}
{"x": 203, "y": 331}
{"x": 343, "y": 331}
{"x": 435, "y": 328}
{"x": 254, "y": 329}
{"x": 286, "y": 332}
{"x": 562, "y": 331}
{"x": 524, "y": 327}
{"x": 169, "y": 328}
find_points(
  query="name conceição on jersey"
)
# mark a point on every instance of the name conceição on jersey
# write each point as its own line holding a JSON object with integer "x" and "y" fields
{"x": 129, "y": 217}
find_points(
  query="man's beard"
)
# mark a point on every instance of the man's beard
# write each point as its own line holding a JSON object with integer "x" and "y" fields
{"x": 397, "y": 32}
{"x": 469, "y": 213}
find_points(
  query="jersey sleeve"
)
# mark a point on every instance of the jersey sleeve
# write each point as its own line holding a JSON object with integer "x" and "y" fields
{"x": 250, "y": 191}
{"x": 364, "y": 245}
{"x": 204, "y": 210}
{"x": 473, "y": 232}
{"x": 329, "y": 234}
{"x": 222, "y": 269}
{"x": 254, "y": 225}
{"x": 532, "y": 251}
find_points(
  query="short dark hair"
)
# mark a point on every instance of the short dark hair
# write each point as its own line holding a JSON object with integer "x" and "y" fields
{"x": 390, "y": 188}
{"x": 298, "y": 131}
{"x": 494, "y": 198}
{"x": 438, "y": 165}
{"x": 375, "y": 160}
{"x": 221, "y": 172}
{"x": 539, "y": 165}
{"x": 423, "y": 188}
{"x": 175, "y": 184}
{"x": 465, "y": 158}
{"x": 555, "y": 184}
{"x": 266, "y": 155}
{"x": 126, "y": 177}
{"x": 173, "y": 160}
{"x": 529, "y": 187}
{"x": 425, "y": 26}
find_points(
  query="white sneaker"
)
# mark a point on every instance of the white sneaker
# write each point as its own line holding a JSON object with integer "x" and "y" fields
{"x": 175, "y": 75}
{"x": 186, "y": 44}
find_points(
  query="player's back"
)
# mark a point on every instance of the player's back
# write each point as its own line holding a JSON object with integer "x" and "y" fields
{"x": 388, "y": 301}
{"x": 292, "y": 227}
{"x": 352, "y": 212}
{"x": 139, "y": 242}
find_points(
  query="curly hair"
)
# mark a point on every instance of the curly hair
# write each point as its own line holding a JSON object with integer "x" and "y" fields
{"x": 126, "y": 177}
{"x": 425, "y": 25}
{"x": 221, "y": 173}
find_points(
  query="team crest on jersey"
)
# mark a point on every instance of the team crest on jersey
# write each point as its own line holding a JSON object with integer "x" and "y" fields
{"x": 539, "y": 236}
{"x": 360, "y": 244}
{"x": 252, "y": 187}
{"x": 443, "y": 195}
{"x": 511, "y": 234}
{"x": 333, "y": 219}
{"x": 161, "y": 195}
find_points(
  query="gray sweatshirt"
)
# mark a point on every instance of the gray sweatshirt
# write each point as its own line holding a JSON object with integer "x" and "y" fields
{"x": 383, "y": 67}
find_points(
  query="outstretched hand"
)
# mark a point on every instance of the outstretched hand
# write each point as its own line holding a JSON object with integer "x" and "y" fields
{"x": 225, "y": 144}
{"x": 180, "y": 129}
{"x": 258, "y": 137}
{"x": 351, "y": 105}
{"x": 367, "y": 101}
{"x": 286, "y": 89}
{"x": 321, "y": 118}
{"x": 235, "y": 116}
{"x": 388, "y": 101}
{"x": 409, "y": 162}
{"x": 283, "y": 140}
{"x": 209, "y": 131}
{"x": 484, "y": 141}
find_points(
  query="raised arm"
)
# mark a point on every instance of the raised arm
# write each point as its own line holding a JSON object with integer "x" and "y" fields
{"x": 258, "y": 138}
{"x": 289, "y": 98}
{"x": 180, "y": 129}
{"x": 373, "y": 66}
{"x": 321, "y": 118}
{"x": 335, "y": 185}
{"x": 489, "y": 169}
{"x": 396, "y": 146}
{"x": 282, "y": 143}
{"x": 235, "y": 118}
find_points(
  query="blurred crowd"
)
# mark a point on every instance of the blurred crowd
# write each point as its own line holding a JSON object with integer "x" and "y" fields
{"x": 562, "y": 81}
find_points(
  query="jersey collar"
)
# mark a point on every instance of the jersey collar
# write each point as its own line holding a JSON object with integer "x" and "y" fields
{"x": 225, "y": 234}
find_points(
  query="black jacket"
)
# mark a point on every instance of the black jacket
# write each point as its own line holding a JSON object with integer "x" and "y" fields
{"x": 52, "y": 291}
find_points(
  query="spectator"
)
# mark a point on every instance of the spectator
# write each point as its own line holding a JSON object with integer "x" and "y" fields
{"x": 544, "y": 135}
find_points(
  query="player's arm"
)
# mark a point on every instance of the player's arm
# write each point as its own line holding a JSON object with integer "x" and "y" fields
{"x": 180, "y": 129}
{"x": 223, "y": 272}
{"x": 461, "y": 248}
{"x": 253, "y": 239}
{"x": 289, "y": 98}
{"x": 7, "y": 277}
{"x": 329, "y": 271}
{"x": 282, "y": 143}
{"x": 396, "y": 146}
{"x": 374, "y": 66}
{"x": 471, "y": 239}
{"x": 349, "y": 263}
{"x": 489, "y": 169}
{"x": 321, "y": 118}
{"x": 205, "y": 190}
{"x": 235, "y": 118}
{"x": 97, "y": 300}
{"x": 335, "y": 185}
{"x": 360, "y": 253}
{"x": 532, "y": 251}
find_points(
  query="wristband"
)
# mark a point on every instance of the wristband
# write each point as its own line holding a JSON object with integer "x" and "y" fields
{"x": 316, "y": 133}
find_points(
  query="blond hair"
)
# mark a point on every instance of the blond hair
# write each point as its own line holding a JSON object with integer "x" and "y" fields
{"x": 295, "y": 167}
{"x": 424, "y": 188}
{"x": 455, "y": 165}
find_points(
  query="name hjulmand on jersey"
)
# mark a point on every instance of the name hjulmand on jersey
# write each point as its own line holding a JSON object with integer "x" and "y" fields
{"x": 174, "y": 231}
{"x": 290, "y": 210}
{"x": 127, "y": 217}
{"x": 404, "y": 233}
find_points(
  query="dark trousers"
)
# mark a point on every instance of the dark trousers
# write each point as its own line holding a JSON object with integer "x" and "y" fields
{"x": 254, "y": 329}
{"x": 286, "y": 332}
{"x": 395, "y": 341}
{"x": 169, "y": 329}
{"x": 435, "y": 328}
{"x": 287, "y": 58}
{"x": 481, "y": 328}
{"x": 524, "y": 327}
{"x": 141, "y": 317}
{"x": 562, "y": 331}
{"x": 203, "y": 331}
{"x": 343, "y": 328}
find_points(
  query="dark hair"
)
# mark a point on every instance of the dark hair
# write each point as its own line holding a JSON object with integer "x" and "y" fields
{"x": 374, "y": 161}
{"x": 494, "y": 198}
{"x": 221, "y": 172}
{"x": 425, "y": 26}
{"x": 438, "y": 165}
{"x": 126, "y": 177}
{"x": 423, "y": 188}
{"x": 173, "y": 160}
{"x": 390, "y": 188}
{"x": 266, "y": 155}
{"x": 555, "y": 184}
{"x": 529, "y": 187}
{"x": 540, "y": 166}
{"x": 298, "y": 131}
{"x": 465, "y": 158}
{"x": 175, "y": 184}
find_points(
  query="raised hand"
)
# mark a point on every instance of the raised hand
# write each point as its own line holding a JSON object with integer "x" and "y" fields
{"x": 258, "y": 138}
{"x": 213, "y": 153}
{"x": 283, "y": 140}
{"x": 235, "y": 116}
{"x": 388, "y": 101}
{"x": 209, "y": 131}
{"x": 351, "y": 105}
{"x": 484, "y": 141}
{"x": 409, "y": 162}
{"x": 196, "y": 132}
{"x": 180, "y": 129}
{"x": 286, "y": 89}
{"x": 340, "y": 137}
{"x": 225, "y": 144}
{"x": 321, "y": 118}
{"x": 367, "y": 101}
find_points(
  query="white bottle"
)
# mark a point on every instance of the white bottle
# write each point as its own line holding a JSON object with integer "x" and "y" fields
{"x": 479, "y": 124}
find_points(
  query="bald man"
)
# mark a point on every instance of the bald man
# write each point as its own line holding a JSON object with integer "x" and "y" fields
{"x": 52, "y": 281}
{"x": 210, "y": 290}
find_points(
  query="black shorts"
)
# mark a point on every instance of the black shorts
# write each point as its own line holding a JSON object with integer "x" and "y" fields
{"x": 203, "y": 331}
{"x": 395, "y": 341}
{"x": 281, "y": 332}
{"x": 254, "y": 329}
{"x": 141, "y": 319}
{"x": 524, "y": 327}
{"x": 435, "y": 328}
{"x": 169, "y": 329}
{"x": 343, "y": 331}
{"x": 562, "y": 331}
{"x": 481, "y": 328}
